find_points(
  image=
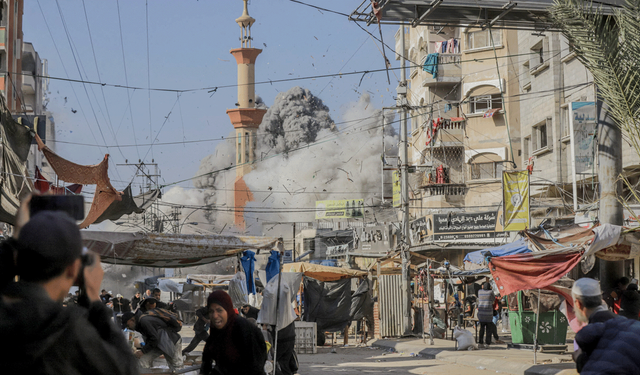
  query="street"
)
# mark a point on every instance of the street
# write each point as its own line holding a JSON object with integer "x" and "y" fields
{"x": 369, "y": 360}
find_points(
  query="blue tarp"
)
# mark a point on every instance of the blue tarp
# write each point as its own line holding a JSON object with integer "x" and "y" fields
{"x": 248, "y": 262}
{"x": 273, "y": 265}
{"x": 517, "y": 247}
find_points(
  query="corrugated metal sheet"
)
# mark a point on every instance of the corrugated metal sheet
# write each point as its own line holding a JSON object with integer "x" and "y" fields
{"x": 390, "y": 300}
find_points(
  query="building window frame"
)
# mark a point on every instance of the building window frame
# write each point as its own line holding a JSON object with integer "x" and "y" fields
{"x": 542, "y": 137}
{"x": 480, "y": 40}
{"x": 486, "y": 170}
{"x": 482, "y": 103}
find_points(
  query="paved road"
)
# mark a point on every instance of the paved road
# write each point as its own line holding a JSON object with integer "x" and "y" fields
{"x": 353, "y": 360}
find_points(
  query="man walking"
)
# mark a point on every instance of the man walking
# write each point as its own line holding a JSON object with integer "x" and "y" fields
{"x": 609, "y": 344}
{"x": 485, "y": 313}
{"x": 135, "y": 301}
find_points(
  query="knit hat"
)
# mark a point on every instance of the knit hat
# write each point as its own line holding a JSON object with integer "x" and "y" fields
{"x": 223, "y": 299}
{"x": 49, "y": 242}
{"x": 586, "y": 287}
{"x": 126, "y": 317}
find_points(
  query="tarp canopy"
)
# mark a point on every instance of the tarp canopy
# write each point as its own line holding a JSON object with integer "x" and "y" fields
{"x": 327, "y": 303}
{"x": 322, "y": 273}
{"x": 128, "y": 205}
{"x": 517, "y": 247}
{"x": 169, "y": 250}
{"x": 15, "y": 184}
{"x": 208, "y": 279}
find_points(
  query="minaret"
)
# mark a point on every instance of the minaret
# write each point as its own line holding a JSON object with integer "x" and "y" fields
{"x": 246, "y": 117}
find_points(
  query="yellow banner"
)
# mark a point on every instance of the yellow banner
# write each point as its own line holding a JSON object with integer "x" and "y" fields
{"x": 397, "y": 189}
{"x": 340, "y": 209}
{"x": 515, "y": 193}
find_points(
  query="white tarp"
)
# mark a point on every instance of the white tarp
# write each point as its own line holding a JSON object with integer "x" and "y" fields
{"x": 288, "y": 289}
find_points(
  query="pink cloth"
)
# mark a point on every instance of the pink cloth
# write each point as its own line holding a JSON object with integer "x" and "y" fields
{"x": 438, "y": 47}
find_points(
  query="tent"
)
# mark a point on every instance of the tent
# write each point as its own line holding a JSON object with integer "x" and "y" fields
{"x": 169, "y": 250}
{"x": 517, "y": 247}
{"x": 323, "y": 273}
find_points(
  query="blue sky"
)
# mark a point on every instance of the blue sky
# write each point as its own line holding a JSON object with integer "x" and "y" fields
{"x": 189, "y": 43}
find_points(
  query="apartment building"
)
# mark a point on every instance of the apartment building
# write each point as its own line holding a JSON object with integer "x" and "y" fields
{"x": 11, "y": 52}
{"x": 465, "y": 130}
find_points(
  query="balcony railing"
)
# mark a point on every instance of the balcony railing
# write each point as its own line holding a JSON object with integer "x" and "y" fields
{"x": 444, "y": 189}
{"x": 449, "y": 70}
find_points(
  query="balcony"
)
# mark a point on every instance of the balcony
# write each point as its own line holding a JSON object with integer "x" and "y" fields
{"x": 444, "y": 189}
{"x": 449, "y": 71}
{"x": 28, "y": 84}
{"x": 450, "y": 134}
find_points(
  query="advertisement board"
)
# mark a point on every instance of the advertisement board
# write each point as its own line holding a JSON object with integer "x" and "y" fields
{"x": 515, "y": 192}
{"x": 340, "y": 209}
{"x": 583, "y": 119}
{"x": 373, "y": 239}
{"x": 457, "y": 226}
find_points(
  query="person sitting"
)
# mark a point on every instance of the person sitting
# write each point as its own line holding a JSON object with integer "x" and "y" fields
{"x": 235, "y": 345}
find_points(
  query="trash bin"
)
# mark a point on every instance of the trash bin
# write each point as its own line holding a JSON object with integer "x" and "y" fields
{"x": 552, "y": 326}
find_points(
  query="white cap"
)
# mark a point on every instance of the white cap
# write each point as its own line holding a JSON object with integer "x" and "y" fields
{"x": 119, "y": 295}
{"x": 586, "y": 287}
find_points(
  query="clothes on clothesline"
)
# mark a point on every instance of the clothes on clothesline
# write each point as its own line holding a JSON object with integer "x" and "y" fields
{"x": 448, "y": 46}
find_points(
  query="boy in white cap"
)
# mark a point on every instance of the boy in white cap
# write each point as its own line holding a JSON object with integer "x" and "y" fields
{"x": 609, "y": 344}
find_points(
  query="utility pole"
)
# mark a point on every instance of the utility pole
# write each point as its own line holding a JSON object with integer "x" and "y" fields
{"x": 609, "y": 170}
{"x": 404, "y": 246}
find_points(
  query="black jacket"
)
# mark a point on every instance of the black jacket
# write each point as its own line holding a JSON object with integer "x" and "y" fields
{"x": 252, "y": 313}
{"x": 630, "y": 304}
{"x": 121, "y": 305}
{"x": 41, "y": 336}
{"x": 201, "y": 325}
{"x": 135, "y": 302}
{"x": 246, "y": 345}
{"x": 151, "y": 328}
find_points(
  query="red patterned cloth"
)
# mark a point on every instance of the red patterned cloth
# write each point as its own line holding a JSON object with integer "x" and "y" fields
{"x": 85, "y": 175}
{"x": 42, "y": 185}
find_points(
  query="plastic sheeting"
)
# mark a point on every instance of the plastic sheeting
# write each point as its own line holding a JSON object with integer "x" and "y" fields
{"x": 248, "y": 262}
{"x": 273, "y": 265}
{"x": 362, "y": 302}
{"x": 169, "y": 250}
{"x": 238, "y": 290}
{"x": 327, "y": 303}
{"x": 288, "y": 289}
{"x": 517, "y": 247}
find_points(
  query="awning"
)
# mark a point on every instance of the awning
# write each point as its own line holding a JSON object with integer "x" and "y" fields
{"x": 517, "y": 247}
{"x": 169, "y": 250}
{"x": 322, "y": 273}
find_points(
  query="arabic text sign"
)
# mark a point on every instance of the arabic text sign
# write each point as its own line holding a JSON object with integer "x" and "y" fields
{"x": 583, "y": 115}
{"x": 464, "y": 222}
{"x": 397, "y": 190}
{"x": 340, "y": 209}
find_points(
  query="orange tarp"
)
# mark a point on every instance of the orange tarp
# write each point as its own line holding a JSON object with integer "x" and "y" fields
{"x": 322, "y": 273}
{"x": 85, "y": 175}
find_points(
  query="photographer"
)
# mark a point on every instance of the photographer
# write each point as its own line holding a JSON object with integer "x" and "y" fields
{"x": 44, "y": 337}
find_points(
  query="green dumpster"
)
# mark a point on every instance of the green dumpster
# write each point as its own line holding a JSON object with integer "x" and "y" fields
{"x": 553, "y": 325}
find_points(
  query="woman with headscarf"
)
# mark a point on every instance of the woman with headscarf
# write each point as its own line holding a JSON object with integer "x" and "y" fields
{"x": 236, "y": 345}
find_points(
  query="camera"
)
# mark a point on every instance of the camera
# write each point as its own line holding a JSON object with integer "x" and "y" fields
{"x": 71, "y": 204}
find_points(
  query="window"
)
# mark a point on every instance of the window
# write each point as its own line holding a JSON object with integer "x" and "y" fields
{"x": 481, "y": 39}
{"x": 239, "y": 148}
{"x": 527, "y": 147}
{"x": 486, "y": 170}
{"x": 482, "y": 103}
{"x": 542, "y": 136}
{"x": 564, "y": 121}
{"x": 247, "y": 149}
{"x": 537, "y": 58}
